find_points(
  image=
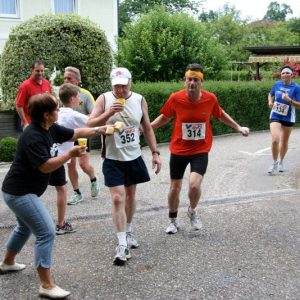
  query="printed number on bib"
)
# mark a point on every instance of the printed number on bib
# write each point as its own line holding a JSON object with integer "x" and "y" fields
{"x": 128, "y": 136}
{"x": 280, "y": 108}
{"x": 193, "y": 131}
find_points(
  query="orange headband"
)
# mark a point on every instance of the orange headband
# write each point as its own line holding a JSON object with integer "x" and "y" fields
{"x": 197, "y": 74}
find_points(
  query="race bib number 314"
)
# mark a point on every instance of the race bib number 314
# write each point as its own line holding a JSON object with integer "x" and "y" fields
{"x": 193, "y": 131}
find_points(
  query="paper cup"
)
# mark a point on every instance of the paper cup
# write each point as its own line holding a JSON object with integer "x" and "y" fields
{"x": 82, "y": 141}
{"x": 121, "y": 100}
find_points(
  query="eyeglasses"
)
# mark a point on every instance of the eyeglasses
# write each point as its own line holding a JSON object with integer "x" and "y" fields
{"x": 190, "y": 79}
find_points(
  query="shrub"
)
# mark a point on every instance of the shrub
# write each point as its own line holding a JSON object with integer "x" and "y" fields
{"x": 159, "y": 46}
{"x": 246, "y": 102}
{"x": 60, "y": 41}
{"x": 8, "y": 146}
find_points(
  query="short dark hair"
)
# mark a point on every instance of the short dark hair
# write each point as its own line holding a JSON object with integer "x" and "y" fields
{"x": 66, "y": 91}
{"x": 194, "y": 67}
{"x": 36, "y": 62}
{"x": 40, "y": 104}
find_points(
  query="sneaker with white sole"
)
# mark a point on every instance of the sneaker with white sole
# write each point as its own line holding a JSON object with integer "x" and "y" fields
{"x": 95, "y": 187}
{"x": 131, "y": 241}
{"x": 195, "y": 220}
{"x": 4, "y": 268}
{"x": 273, "y": 168}
{"x": 76, "y": 198}
{"x": 54, "y": 293}
{"x": 66, "y": 228}
{"x": 173, "y": 226}
{"x": 122, "y": 255}
{"x": 280, "y": 167}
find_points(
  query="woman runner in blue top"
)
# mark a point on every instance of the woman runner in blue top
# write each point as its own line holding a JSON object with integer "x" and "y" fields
{"x": 283, "y": 98}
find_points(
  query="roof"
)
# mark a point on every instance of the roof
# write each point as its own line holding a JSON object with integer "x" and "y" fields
{"x": 273, "y": 53}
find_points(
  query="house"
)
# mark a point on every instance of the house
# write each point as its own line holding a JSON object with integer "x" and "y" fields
{"x": 102, "y": 12}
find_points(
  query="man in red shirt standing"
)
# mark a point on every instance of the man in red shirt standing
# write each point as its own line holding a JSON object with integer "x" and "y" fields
{"x": 35, "y": 84}
{"x": 191, "y": 140}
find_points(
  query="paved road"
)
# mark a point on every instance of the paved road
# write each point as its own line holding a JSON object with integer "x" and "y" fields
{"x": 248, "y": 249}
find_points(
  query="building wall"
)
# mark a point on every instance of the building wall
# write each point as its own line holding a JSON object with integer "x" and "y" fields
{"x": 102, "y": 12}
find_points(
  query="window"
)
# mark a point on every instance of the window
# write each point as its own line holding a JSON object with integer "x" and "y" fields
{"x": 9, "y": 8}
{"x": 64, "y": 6}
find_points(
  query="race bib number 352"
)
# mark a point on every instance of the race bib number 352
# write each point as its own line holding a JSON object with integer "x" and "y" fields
{"x": 128, "y": 136}
{"x": 193, "y": 131}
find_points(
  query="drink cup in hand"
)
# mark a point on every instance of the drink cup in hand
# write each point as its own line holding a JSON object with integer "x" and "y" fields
{"x": 82, "y": 142}
{"x": 122, "y": 101}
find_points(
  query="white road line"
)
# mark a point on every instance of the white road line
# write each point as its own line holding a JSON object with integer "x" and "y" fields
{"x": 259, "y": 152}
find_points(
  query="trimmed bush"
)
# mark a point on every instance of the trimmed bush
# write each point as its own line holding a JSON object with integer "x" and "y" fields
{"x": 8, "y": 148}
{"x": 59, "y": 41}
{"x": 246, "y": 102}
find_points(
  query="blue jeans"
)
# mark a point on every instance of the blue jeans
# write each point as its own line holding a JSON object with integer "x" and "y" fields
{"x": 32, "y": 217}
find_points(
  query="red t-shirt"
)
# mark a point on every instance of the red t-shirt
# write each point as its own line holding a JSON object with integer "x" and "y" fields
{"x": 192, "y": 131}
{"x": 29, "y": 88}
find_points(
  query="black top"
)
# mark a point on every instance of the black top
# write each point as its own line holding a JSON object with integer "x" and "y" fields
{"x": 35, "y": 146}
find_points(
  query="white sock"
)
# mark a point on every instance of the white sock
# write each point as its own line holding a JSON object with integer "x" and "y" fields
{"x": 191, "y": 210}
{"x": 129, "y": 227}
{"x": 122, "y": 238}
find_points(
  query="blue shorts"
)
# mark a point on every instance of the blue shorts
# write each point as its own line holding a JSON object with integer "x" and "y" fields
{"x": 178, "y": 164}
{"x": 124, "y": 172}
{"x": 58, "y": 177}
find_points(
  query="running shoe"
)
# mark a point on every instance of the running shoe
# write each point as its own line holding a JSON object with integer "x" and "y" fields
{"x": 131, "y": 241}
{"x": 195, "y": 220}
{"x": 280, "y": 167}
{"x": 95, "y": 187}
{"x": 173, "y": 226}
{"x": 76, "y": 198}
{"x": 66, "y": 228}
{"x": 122, "y": 254}
{"x": 273, "y": 168}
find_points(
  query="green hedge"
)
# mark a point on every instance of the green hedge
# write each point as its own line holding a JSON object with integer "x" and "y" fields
{"x": 60, "y": 41}
{"x": 246, "y": 102}
{"x": 8, "y": 148}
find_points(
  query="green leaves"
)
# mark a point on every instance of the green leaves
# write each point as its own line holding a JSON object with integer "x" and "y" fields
{"x": 160, "y": 45}
{"x": 60, "y": 41}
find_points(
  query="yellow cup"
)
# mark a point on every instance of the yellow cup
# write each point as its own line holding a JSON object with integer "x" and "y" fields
{"x": 82, "y": 141}
{"x": 121, "y": 100}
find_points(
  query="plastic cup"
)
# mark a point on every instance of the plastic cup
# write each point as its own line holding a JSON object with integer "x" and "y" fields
{"x": 121, "y": 100}
{"x": 82, "y": 142}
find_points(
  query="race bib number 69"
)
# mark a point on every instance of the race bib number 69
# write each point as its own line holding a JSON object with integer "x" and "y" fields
{"x": 193, "y": 131}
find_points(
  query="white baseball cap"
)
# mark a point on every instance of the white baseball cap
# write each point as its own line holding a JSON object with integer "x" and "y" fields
{"x": 120, "y": 76}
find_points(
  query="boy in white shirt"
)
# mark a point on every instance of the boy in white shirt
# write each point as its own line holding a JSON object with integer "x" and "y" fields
{"x": 69, "y": 95}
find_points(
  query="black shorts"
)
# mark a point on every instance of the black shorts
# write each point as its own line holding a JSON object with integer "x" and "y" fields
{"x": 58, "y": 177}
{"x": 283, "y": 123}
{"x": 88, "y": 145}
{"x": 124, "y": 172}
{"x": 178, "y": 164}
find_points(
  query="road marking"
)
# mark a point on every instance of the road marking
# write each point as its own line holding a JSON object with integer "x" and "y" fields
{"x": 259, "y": 152}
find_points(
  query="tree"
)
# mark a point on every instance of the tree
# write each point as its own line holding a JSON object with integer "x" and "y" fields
{"x": 160, "y": 45}
{"x": 129, "y": 9}
{"x": 60, "y": 41}
{"x": 278, "y": 12}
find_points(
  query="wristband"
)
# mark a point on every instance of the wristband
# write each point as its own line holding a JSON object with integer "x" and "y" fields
{"x": 155, "y": 152}
{"x": 97, "y": 130}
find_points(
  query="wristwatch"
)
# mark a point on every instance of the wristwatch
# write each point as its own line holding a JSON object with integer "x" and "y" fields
{"x": 155, "y": 152}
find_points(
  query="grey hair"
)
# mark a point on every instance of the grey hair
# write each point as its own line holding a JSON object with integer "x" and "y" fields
{"x": 74, "y": 70}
